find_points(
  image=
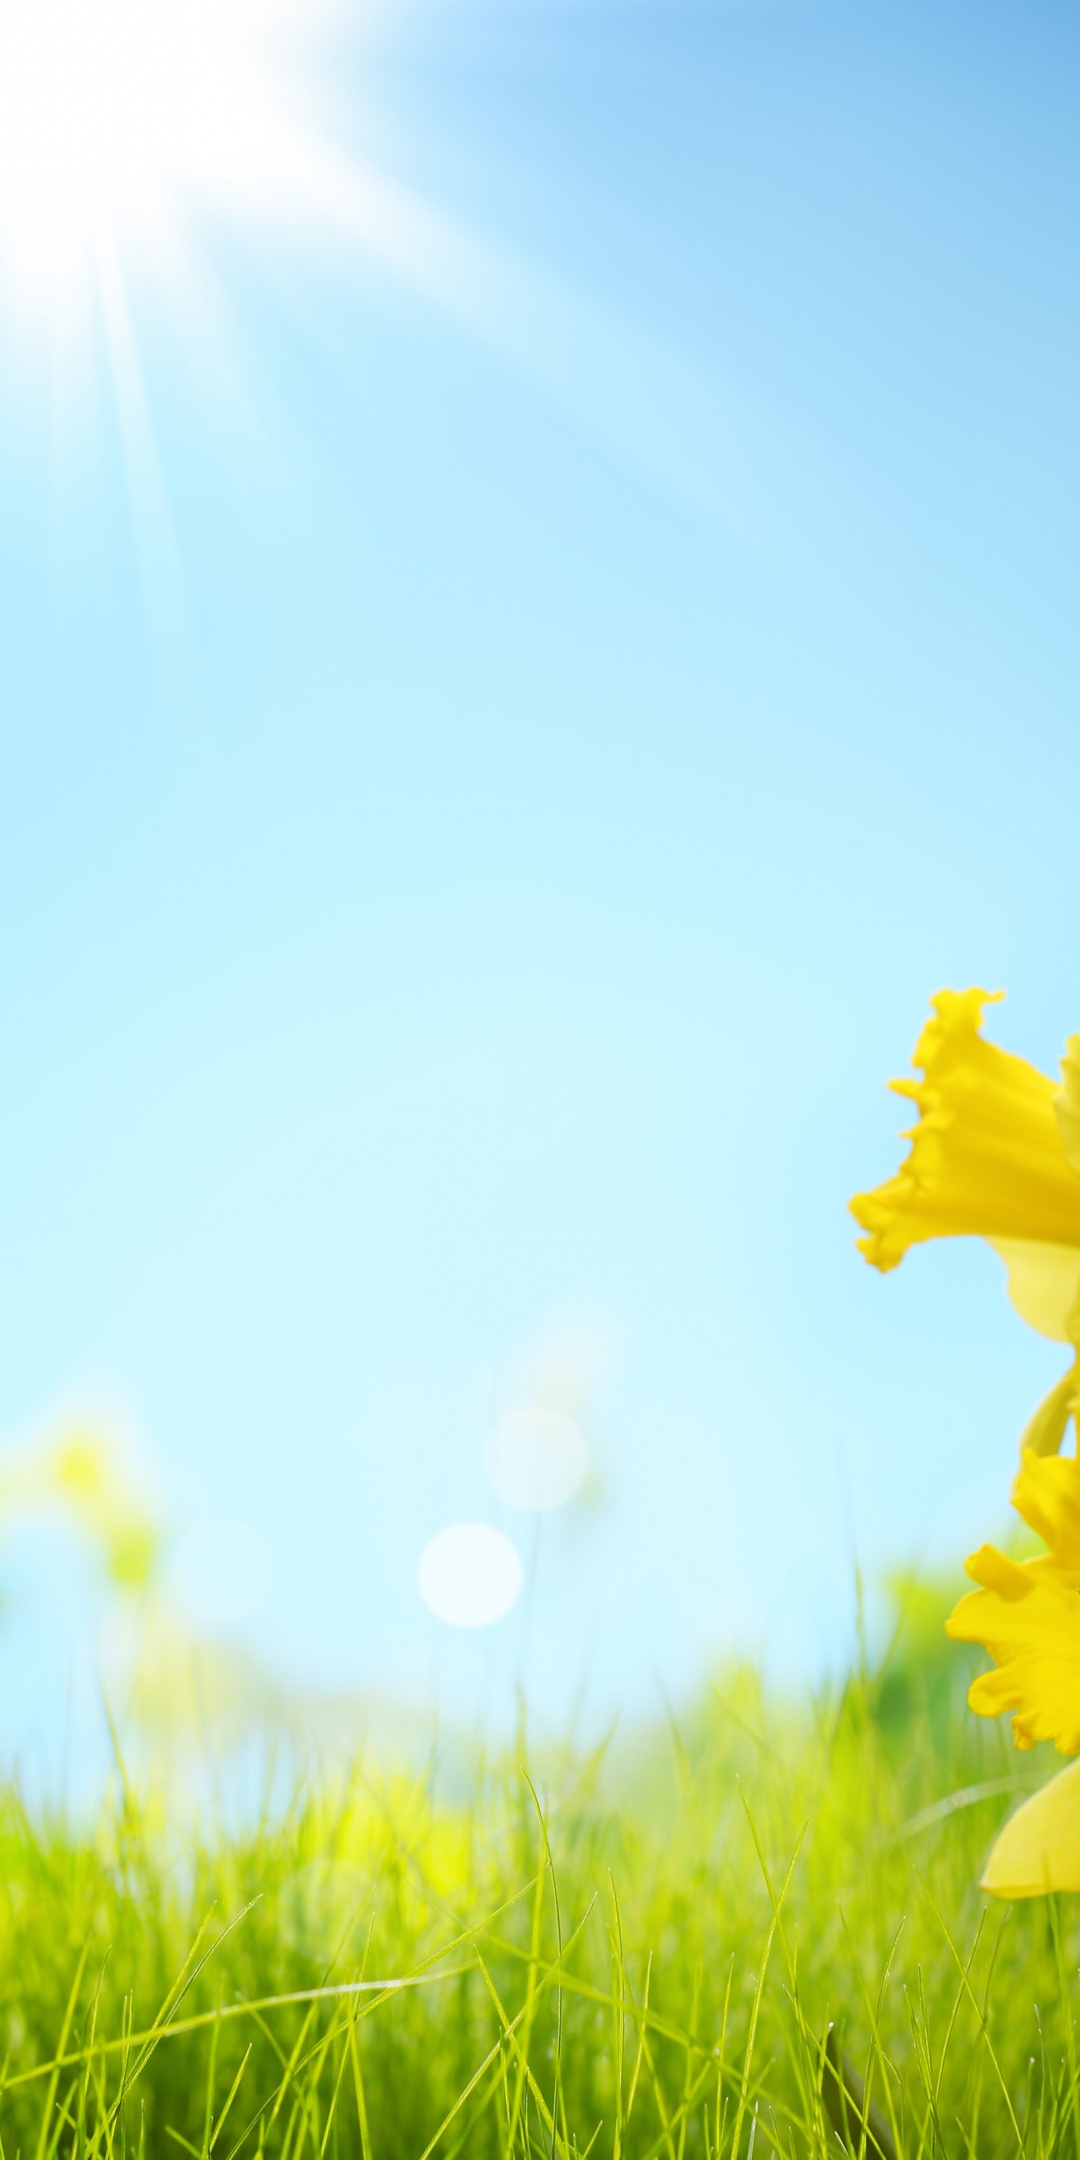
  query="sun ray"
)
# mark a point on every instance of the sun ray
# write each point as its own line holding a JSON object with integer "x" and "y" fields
{"x": 164, "y": 593}
{"x": 129, "y": 129}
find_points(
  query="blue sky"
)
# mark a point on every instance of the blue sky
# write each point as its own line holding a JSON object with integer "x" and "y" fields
{"x": 499, "y": 748}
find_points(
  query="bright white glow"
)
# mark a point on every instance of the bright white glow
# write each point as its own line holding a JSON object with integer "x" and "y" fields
{"x": 125, "y": 124}
{"x": 537, "y": 1459}
{"x": 116, "y": 114}
{"x": 469, "y": 1575}
{"x": 223, "y": 1572}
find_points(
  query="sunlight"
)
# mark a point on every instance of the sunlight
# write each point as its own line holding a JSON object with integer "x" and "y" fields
{"x": 116, "y": 115}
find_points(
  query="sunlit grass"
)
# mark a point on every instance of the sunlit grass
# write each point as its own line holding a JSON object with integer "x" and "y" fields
{"x": 638, "y": 1953}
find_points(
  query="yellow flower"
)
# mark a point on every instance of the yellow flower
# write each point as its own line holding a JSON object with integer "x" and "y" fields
{"x": 1039, "y": 1848}
{"x": 1027, "y": 1614}
{"x": 995, "y": 1154}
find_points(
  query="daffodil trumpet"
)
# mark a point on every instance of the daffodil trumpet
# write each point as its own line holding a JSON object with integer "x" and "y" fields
{"x": 995, "y": 1153}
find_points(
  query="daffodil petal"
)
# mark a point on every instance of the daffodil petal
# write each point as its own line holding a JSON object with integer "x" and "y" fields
{"x": 1044, "y": 1283}
{"x": 1067, "y": 1102}
{"x": 1047, "y": 1495}
{"x": 1027, "y": 1614}
{"x": 1039, "y": 1848}
{"x": 1045, "y": 1430}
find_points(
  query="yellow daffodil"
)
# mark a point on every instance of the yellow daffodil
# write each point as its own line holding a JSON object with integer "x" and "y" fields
{"x": 1027, "y": 1614}
{"x": 995, "y": 1154}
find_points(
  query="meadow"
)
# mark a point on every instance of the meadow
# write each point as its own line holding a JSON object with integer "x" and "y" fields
{"x": 754, "y": 1928}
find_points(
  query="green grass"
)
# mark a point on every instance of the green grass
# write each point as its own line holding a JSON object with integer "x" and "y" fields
{"x": 636, "y": 1954}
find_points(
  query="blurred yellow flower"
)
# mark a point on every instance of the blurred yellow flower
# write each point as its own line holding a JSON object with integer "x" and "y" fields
{"x": 81, "y": 1475}
{"x": 995, "y": 1154}
{"x": 80, "y": 1470}
{"x": 1027, "y": 1614}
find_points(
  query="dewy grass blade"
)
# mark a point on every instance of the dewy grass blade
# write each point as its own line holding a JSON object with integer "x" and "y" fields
{"x": 982, "y": 2022}
{"x": 557, "y": 2108}
{"x": 874, "y": 2013}
{"x": 530, "y": 2000}
{"x": 856, "y": 2119}
{"x": 54, "y": 2078}
{"x": 181, "y": 2028}
{"x": 1068, "y": 2022}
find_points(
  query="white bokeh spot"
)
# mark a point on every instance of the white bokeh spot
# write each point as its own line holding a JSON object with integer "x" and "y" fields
{"x": 470, "y": 1575}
